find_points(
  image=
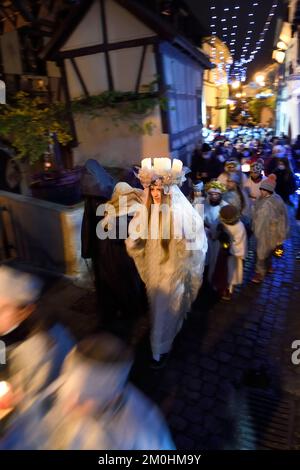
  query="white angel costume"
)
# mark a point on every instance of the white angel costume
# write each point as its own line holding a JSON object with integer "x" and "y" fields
{"x": 172, "y": 281}
{"x": 238, "y": 252}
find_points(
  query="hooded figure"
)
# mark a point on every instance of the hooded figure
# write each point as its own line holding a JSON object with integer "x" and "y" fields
{"x": 95, "y": 407}
{"x": 270, "y": 226}
{"x": 34, "y": 353}
{"x": 124, "y": 299}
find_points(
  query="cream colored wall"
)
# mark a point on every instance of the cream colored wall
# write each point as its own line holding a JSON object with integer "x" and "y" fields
{"x": 118, "y": 146}
{"x": 96, "y": 82}
{"x": 121, "y": 26}
{"x": 99, "y": 138}
{"x": 217, "y": 96}
{"x": 88, "y": 32}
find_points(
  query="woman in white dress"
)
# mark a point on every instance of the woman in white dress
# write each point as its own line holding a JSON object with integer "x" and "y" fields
{"x": 169, "y": 252}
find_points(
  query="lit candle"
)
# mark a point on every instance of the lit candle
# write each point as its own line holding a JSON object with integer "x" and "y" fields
{"x": 177, "y": 165}
{"x": 146, "y": 164}
{"x": 6, "y": 398}
{"x": 157, "y": 163}
{"x": 167, "y": 164}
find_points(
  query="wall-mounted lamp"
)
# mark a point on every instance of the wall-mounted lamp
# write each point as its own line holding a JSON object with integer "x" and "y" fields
{"x": 279, "y": 56}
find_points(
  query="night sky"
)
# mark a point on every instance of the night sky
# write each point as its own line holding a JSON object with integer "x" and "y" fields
{"x": 260, "y": 12}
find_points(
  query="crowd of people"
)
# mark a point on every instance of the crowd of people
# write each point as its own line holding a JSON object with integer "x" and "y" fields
{"x": 151, "y": 246}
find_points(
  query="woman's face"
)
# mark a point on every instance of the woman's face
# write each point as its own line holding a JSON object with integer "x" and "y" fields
{"x": 156, "y": 194}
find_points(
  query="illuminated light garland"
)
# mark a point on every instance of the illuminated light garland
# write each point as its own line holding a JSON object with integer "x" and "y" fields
{"x": 239, "y": 67}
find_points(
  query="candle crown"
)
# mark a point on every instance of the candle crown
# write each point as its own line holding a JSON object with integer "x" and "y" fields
{"x": 168, "y": 171}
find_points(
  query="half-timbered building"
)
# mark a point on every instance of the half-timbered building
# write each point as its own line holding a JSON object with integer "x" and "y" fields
{"x": 121, "y": 45}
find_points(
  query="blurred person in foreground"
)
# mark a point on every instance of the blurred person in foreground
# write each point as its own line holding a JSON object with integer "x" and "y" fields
{"x": 93, "y": 406}
{"x": 34, "y": 352}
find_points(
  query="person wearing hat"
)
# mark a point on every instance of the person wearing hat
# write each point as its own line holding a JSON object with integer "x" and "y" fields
{"x": 92, "y": 406}
{"x": 212, "y": 206}
{"x": 270, "y": 226}
{"x": 231, "y": 166}
{"x": 237, "y": 197}
{"x": 252, "y": 184}
{"x": 197, "y": 197}
{"x": 34, "y": 350}
{"x": 233, "y": 251}
{"x": 167, "y": 242}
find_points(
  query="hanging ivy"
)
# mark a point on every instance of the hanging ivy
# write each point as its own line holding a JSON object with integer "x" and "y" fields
{"x": 28, "y": 122}
{"x": 120, "y": 107}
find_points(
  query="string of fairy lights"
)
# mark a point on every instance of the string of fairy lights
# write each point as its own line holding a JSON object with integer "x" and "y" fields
{"x": 227, "y": 26}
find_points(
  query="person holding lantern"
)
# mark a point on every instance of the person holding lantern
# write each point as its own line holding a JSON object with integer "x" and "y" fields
{"x": 168, "y": 249}
{"x": 34, "y": 351}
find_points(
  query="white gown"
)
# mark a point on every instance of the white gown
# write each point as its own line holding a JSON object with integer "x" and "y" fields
{"x": 172, "y": 282}
{"x": 238, "y": 251}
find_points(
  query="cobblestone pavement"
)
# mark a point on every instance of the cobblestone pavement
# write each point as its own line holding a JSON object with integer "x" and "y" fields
{"x": 229, "y": 382}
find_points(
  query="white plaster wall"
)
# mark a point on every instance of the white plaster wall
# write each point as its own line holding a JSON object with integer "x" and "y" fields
{"x": 122, "y": 25}
{"x": 88, "y": 32}
{"x": 118, "y": 146}
{"x": 93, "y": 71}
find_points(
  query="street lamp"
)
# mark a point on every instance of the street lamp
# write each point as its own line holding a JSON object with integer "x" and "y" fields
{"x": 260, "y": 79}
{"x": 235, "y": 85}
{"x": 282, "y": 46}
{"x": 279, "y": 56}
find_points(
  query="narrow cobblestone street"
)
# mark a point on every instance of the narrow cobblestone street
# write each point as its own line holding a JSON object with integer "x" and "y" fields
{"x": 229, "y": 382}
